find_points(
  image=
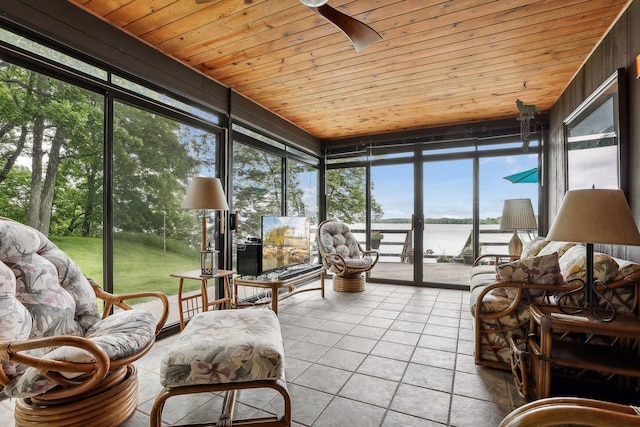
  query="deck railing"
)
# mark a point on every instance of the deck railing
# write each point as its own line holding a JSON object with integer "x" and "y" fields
{"x": 403, "y": 249}
{"x": 398, "y": 244}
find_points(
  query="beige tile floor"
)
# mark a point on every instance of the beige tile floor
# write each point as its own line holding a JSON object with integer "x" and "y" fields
{"x": 388, "y": 356}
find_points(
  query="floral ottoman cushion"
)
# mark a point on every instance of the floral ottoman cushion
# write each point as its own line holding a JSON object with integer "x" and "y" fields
{"x": 226, "y": 346}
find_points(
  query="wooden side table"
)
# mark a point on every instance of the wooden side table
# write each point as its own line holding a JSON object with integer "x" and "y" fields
{"x": 547, "y": 320}
{"x": 192, "y": 304}
{"x": 275, "y": 285}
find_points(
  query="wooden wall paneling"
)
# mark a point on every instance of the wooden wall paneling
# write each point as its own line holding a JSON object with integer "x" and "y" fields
{"x": 618, "y": 49}
{"x": 594, "y": 70}
{"x": 621, "y": 41}
{"x": 632, "y": 24}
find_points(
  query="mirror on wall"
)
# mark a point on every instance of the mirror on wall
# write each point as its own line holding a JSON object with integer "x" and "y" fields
{"x": 595, "y": 135}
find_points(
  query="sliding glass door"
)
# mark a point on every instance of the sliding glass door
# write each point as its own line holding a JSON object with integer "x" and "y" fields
{"x": 447, "y": 201}
{"x": 430, "y": 213}
{"x": 391, "y": 230}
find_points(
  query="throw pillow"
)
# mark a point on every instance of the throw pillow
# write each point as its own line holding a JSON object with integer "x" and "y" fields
{"x": 532, "y": 248}
{"x": 572, "y": 265}
{"x": 543, "y": 270}
{"x": 559, "y": 247}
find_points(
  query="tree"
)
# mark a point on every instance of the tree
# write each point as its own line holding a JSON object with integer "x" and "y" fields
{"x": 52, "y": 137}
{"x": 51, "y": 124}
{"x": 257, "y": 187}
{"x": 154, "y": 157}
{"x": 346, "y": 196}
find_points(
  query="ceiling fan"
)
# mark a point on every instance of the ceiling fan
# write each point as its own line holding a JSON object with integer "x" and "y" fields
{"x": 360, "y": 34}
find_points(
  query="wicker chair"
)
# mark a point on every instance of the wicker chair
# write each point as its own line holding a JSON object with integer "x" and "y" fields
{"x": 569, "y": 411}
{"x": 67, "y": 363}
{"x": 342, "y": 254}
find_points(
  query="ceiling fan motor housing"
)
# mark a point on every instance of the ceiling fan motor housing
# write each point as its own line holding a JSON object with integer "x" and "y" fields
{"x": 313, "y": 3}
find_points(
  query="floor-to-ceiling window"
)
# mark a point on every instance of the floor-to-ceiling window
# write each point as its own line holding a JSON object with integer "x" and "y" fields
{"x": 154, "y": 158}
{"x": 51, "y": 160}
{"x": 269, "y": 179}
{"x": 431, "y": 209}
{"x": 303, "y": 196}
{"x": 118, "y": 216}
{"x": 505, "y": 177}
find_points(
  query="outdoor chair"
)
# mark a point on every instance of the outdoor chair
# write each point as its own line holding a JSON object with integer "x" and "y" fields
{"x": 64, "y": 361}
{"x": 342, "y": 255}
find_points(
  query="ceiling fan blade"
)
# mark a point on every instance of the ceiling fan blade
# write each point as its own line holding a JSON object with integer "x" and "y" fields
{"x": 360, "y": 34}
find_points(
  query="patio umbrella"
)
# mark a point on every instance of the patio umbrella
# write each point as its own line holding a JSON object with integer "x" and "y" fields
{"x": 528, "y": 176}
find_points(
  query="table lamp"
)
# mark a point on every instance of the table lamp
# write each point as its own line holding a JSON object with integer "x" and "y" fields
{"x": 517, "y": 214}
{"x": 594, "y": 216}
{"x": 205, "y": 193}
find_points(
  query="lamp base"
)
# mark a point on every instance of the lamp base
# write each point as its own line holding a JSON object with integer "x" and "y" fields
{"x": 587, "y": 302}
{"x": 515, "y": 245}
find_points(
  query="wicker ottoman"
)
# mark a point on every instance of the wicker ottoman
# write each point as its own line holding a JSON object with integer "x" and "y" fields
{"x": 226, "y": 350}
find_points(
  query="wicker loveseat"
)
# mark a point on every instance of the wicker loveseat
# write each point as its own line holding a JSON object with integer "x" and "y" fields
{"x": 65, "y": 361}
{"x": 502, "y": 292}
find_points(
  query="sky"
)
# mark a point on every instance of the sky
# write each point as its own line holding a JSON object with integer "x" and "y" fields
{"x": 449, "y": 187}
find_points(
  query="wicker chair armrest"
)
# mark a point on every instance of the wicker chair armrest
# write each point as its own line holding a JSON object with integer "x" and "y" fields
{"x": 118, "y": 300}
{"x": 633, "y": 278}
{"x": 516, "y": 301}
{"x": 337, "y": 261}
{"x": 571, "y": 411}
{"x": 53, "y": 369}
{"x": 480, "y": 314}
{"x": 496, "y": 259}
{"x": 374, "y": 254}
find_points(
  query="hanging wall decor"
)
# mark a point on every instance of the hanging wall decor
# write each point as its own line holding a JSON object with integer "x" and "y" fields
{"x": 527, "y": 113}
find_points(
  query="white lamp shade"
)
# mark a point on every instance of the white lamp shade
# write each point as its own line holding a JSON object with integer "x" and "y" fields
{"x": 205, "y": 193}
{"x": 517, "y": 214}
{"x": 595, "y": 216}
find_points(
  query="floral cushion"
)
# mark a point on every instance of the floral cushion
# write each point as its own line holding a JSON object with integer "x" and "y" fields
{"x": 572, "y": 264}
{"x": 543, "y": 270}
{"x": 225, "y": 346}
{"x": 556, "y": 247}
{"x": 16, "y": 319}
{"x": 47, "y": 282}
{"x": 120, "y": 335}
{"x": 42, "y": 291}
{"x": 532, "y": 248}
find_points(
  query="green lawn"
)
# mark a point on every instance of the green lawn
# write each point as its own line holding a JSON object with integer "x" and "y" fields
{"x": 139, "y": 262}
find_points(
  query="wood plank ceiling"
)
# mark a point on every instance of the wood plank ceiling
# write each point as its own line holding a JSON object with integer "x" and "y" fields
{"x": 440, "y": 62}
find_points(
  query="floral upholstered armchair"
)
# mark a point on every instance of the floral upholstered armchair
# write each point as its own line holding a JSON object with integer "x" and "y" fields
{"x": 342, "y": 255}
{"x": 59, "y": 355}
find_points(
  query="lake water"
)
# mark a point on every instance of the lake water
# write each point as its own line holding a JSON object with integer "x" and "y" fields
{"x": 442, "y": 239}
